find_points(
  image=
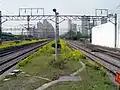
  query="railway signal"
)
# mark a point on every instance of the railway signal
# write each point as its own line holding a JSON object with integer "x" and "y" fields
{"x": 56, "y": 33}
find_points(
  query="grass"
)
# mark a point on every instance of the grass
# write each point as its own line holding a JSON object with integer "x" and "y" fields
{"x": 21, "y": 82}
{"x": 39, "y": 64}
{"x": 42, "y": 68}
{"x": 16, "y": 43}
{"x": 42, "y": 63}
{"x": 93, "y": 78}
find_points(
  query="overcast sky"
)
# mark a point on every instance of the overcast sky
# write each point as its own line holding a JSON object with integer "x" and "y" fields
{"x": 63, "y": 6}
{"x": 81, "y": 7}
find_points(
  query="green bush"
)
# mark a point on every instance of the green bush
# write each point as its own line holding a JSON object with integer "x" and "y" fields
{"x": 73, "y": 55}
{"x": 58, "y": 64}
{"x": 25, "y": 61}
{"x": 28, "y": 39}
{"x": 47, "y": 49}
{"x": 1, "y": 41}
{"x": 16, "y": 41}
{"x": 58, "y": 45}
{"x": 65, "y": 54}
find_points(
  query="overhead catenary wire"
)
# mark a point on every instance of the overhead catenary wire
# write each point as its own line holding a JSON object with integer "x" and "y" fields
{"x": 114, "y": 10}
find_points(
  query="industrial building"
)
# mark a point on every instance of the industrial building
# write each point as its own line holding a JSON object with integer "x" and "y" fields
{"x": 85, "y": 21}
{"x": 43, "y": 30}
{"x": 48, "y": 29}
{"x": 69, "y": 25}
{"x": 72, "y": 26}
{"x": 40, "y": 30}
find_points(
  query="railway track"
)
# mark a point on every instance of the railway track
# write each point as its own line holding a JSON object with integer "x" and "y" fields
{"x": 105, "y": 48}
{"x": 13, "y": 49}
{"x": 11, "y": 58}
{"x": 113, "y": 52}
{"x": 109, "y": 60}
{"x": 108, "y": 51}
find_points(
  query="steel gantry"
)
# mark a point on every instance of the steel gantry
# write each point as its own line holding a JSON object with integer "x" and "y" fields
{"x": 49, "y": 17}
{"x": 62, "y": 18}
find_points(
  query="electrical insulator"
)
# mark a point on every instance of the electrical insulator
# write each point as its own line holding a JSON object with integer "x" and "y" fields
{"x": 25, "y": 10}
{"x": 101, "y": 11}
{"x": 37, "y": 10}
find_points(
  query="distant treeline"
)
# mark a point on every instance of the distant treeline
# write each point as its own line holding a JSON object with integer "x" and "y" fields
{"x": 10, "y": 37}
{"x": 74, "y": 36}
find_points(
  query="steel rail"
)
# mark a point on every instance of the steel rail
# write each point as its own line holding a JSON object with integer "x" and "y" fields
{"x": 9, "y": 62}
{"x": 112, "y": 67}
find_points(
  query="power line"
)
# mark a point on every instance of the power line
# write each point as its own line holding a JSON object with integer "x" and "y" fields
{"x": 114, "y": 9}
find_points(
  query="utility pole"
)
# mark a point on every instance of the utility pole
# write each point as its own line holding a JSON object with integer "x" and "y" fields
{"x": 57, "y": 27}
{"x": 22, "y": 35}
{"x": 91, "y": 31}
{"x": 115, "y": 30}
{"x": 56, "y": 33}
{"x": 0, "y": 27}
{"x": 28, "y": 21}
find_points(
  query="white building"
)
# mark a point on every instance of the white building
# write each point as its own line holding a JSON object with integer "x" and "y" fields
{"x": 104, "y": 35}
